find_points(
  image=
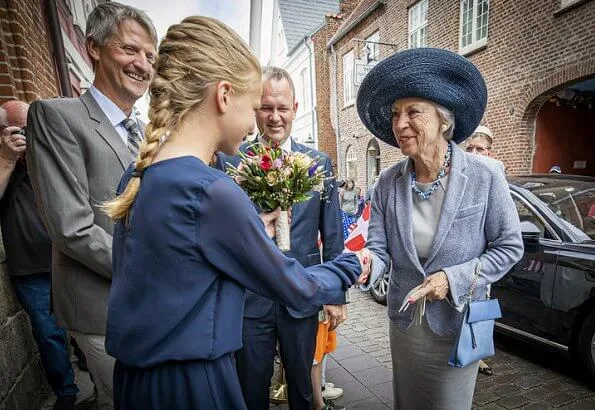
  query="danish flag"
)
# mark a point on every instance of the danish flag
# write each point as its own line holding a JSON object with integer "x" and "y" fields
{"x": 359, "y": 231}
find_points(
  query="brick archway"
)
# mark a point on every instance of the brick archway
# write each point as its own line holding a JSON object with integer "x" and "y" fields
{"x": 538, "y": 94}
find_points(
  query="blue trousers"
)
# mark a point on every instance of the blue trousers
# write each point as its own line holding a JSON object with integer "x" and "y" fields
{"x": 297, "y": 342}
{"x": 187, "y": 385}
{"x": 33, "y": 293}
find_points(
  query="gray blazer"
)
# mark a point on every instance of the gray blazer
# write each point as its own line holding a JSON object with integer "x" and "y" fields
{"x": 477, "y": 210}
{"x": 76, "y": 158}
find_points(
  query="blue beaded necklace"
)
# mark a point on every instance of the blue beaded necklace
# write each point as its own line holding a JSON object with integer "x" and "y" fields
{"x": 423, "y": 195}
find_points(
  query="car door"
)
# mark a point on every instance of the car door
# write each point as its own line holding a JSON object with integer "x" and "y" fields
{"x": 526, "y": 292}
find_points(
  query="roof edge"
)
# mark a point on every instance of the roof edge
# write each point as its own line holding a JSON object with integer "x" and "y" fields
{"x": 343, "y": 32}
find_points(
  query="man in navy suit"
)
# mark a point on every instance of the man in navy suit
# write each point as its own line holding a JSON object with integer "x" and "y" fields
{"x": 265, "y": 321}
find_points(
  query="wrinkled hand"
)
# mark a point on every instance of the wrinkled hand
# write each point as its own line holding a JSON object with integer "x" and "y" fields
{"x": 434, "y": 287}
{"x": 13, "y": 145}
{"x": 269, "y": 218}
{"x": 365, "y": 259}
{"x": 335, "y": 315}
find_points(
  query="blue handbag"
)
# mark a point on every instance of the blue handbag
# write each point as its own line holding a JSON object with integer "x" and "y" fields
{"x": 475, "y": 340}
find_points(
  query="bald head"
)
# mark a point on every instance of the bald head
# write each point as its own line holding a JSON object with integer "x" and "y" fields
{"x": 16, "y": 113}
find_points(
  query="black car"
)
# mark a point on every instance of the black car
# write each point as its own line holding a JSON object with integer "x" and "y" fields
{"x": 549, "y": 296}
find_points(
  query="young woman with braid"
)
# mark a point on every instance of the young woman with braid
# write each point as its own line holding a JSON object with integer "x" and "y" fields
{"x": 188, "y": 241}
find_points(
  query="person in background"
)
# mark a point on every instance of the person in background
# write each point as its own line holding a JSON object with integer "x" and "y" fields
{"x": 368, "y": 197}
{"x": 29, "y": 254}
{"x": 266, "y": 321}
{"x": 77, "y": 151}
{"x": 361, "y": 203}
{"x": 348, "y": 201}
{"x": 188, "y": 240}
{"x": 433, "y": 216}
{"x": 480, "y": 143}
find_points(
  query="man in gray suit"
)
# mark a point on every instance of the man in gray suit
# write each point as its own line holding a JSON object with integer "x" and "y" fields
{"x": 77, "y": 152}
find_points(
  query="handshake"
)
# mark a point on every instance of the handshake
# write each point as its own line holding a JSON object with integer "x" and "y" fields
{"x": 364, "y": 256}
{"x": 365, "y": 260}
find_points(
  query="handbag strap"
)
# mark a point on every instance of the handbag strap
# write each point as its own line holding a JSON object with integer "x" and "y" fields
{"x": 467, "y": 296}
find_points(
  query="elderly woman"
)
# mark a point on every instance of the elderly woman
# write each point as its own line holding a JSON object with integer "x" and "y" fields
{"x": 433, "y": 216}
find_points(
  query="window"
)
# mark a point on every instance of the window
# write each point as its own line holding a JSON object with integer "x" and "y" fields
{"x": 474, "y": 25}
{"x": 348, "y": 86}
{"x": 372, "y": 49}
{"x": 351, "y": 161}
{"x": 304, "y": 90}
{"x": 418, "y": 22}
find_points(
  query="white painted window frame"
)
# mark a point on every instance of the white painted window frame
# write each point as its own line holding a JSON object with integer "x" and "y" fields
{"x": 374, "y": 38}
{"x": 423, "y": 24}
{"x": 475, "y": 42}
{"x": 351, "y": 163}
{"x": 348, "y": 84}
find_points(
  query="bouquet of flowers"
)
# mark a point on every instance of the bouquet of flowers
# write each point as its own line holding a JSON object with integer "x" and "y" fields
{"x": 275, "y": 178}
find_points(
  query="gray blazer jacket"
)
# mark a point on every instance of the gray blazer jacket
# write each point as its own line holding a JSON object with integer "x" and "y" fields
{"x": 76, "y": 158}
{"x": 477, "y": 210}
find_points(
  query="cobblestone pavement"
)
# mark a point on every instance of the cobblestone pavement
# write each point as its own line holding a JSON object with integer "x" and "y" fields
{"x": 525, "y": 376}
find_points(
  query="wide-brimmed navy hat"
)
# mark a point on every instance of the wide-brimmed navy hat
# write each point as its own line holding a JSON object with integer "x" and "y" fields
{"x": 433, "y": 74}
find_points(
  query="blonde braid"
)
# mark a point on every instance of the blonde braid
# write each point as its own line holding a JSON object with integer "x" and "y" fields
{"x": 160, "y": 113}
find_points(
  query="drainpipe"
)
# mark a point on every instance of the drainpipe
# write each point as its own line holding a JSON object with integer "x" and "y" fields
{"x": 312, "y": 102}
{"x": 337, "y": 119}
{"x": 58, "y": 46}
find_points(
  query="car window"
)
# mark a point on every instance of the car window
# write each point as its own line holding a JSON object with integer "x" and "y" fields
{"x": 529, "y": 219}
{"x": 572, "y": 201}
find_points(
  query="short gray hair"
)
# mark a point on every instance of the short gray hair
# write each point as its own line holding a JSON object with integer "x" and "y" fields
{"x": 448, "y": 118}
{"x": 277, "y": 73}
{"x": 103, "y": 21}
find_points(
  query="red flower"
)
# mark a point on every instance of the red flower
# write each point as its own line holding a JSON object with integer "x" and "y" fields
{"x": 265, "y": 163}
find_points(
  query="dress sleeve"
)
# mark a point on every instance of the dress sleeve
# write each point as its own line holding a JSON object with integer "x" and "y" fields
{"x": 231, "y": 236}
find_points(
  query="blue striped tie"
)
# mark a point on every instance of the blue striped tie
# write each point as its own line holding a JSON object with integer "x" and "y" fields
{"x": 134, "y": 136}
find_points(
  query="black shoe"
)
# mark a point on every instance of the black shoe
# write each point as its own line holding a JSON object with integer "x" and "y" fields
{"x": 65, "y": 402}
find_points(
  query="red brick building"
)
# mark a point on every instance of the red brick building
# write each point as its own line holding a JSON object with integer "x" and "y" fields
{"x": 42, "y": 55}
{"x": 538, "y": 59}
{"x": 325, "y": 71}
{"x": 40, "y": 59}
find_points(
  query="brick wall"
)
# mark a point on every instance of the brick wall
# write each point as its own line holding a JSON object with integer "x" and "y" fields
{"x": 533, "y": 51}
{"x": 327, "y": 137}
{"x": 22, "y": 383}
{"x": 26, "y": 73}
{"x": 26, "y": 67}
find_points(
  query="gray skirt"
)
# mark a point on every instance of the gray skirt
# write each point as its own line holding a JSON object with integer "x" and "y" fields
{"x": 422, "y": 378}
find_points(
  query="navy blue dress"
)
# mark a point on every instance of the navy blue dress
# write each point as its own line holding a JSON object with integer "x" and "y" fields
{"x": 193, "y": 243}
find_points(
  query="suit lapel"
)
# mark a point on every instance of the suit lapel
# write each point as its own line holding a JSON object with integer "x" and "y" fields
{"x": 403, "y": 210}
{"x": 106, "y": 130}
{"x": 457, "y": 182}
